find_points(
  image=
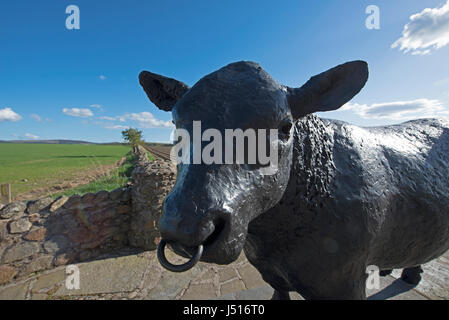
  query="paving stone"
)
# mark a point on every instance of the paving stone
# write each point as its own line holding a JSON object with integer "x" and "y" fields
{"x": 295, "y": 296}
{"x": 242, "y": 258}
{"x": 122, "y": 274}
{"x": 39, "y": 296}
{"x": 49, "y": 280}
{"x": 199, "y": 292}
{"x": 227, "y": 274}
{"x": 434, "y": 282}
{"x": 262, "y": 293}
{"x": 16, "y": 292}
{"x": 171, "y": 284}
{"x": 231, "y": 287}
{"x": 229, "y": 296}
{"x": 251, "y": 277}
{"x": 208, "y": 275}
{"x": 153, "y": 275}
{"x": 393, "y": 289}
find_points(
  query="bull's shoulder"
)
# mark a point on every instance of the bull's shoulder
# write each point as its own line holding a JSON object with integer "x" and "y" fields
{"x": 421, "y": 132}
{"x": 421, "y": 145}
{"x": 347, "y": 161}
{"x": 412, "y": 142}
{"x": 410, "y": 159}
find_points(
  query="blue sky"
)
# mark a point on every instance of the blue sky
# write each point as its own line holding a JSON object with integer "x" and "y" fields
{"x": 82, "y": 84}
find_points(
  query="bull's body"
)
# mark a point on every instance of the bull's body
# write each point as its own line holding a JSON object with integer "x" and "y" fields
{"x": 343, "y": 197}
{"x": 356, "y": 197}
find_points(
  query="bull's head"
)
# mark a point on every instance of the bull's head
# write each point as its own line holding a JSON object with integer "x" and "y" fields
{"x": 212, "y": 204}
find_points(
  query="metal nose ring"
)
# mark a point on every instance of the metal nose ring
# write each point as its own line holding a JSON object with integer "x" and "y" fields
{"x": 180, "y": 267}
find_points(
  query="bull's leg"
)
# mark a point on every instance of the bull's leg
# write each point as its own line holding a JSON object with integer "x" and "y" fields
{"x": 384, "y": 273}
{"x": 280, "y": 295}
{"x": 412, "y": 275}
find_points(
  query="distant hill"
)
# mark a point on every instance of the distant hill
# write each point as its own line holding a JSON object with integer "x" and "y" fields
{"x": 157, "y": 144}
{"x": 61, "y": 141}
{"x": 48, "y": 141}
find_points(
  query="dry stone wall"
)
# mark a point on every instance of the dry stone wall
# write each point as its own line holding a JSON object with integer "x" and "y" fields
{"x": 45, "y": 233}
{"x": 42, "y": 234}
{"x": 151, "y": 182}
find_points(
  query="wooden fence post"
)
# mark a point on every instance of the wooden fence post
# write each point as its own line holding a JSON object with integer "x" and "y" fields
{"x": 5, "y": 192}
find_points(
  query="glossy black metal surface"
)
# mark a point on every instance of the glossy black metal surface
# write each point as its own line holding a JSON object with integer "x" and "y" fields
{"x": 344, "y": 197}
{"x": 177, "y": 267}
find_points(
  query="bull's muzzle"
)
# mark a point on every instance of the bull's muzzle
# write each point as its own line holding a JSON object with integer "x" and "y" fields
{"x": 180, "y": 267}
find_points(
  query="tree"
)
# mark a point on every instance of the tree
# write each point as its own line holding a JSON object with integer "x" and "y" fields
{"x": 133, "y": 136}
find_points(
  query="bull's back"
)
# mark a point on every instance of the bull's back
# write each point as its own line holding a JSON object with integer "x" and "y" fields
{"x": 399, "y": 177}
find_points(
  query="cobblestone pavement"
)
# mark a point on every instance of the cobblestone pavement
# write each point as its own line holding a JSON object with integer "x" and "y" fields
{"x": 128, "y": 274}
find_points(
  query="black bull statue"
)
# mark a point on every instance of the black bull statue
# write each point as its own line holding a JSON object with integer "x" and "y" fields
{"x": 343, "y": 197}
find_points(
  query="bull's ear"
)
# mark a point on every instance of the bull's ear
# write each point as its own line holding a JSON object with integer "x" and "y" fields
{"x": 163, "y": 92}
{"x": 328, "y": 90}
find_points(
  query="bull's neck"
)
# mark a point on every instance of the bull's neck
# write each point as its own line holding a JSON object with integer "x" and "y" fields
{"x": 309, "y": 185}
{"x": 312, "y": 164}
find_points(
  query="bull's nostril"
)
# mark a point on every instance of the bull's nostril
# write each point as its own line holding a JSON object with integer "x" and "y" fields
{"x": 219, "y": 226}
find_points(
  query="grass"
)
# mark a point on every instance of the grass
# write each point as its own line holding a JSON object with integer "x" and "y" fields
{"x": 116, "y": 179}
{"x": 30, "y": 166}
{"x": 150, "y": 156}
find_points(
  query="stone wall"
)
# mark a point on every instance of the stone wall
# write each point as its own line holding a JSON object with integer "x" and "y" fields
{"x": 42, "y": 234}
{"x": 151, "y": 181}
{"x": 38, "y": 235}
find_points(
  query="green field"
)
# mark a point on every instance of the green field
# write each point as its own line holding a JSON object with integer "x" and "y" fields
{"x": 117, "y": 178}
{"x": 31, "y": 166}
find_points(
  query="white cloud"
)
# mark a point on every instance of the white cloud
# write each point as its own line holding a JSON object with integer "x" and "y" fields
{"x": 399, "y": 110}
{"x": 78, "y": 112}
{"x": 116, "y": 127}
{"x": 31, "y": 136}
{"x": 147, "y": 120}
{"x": 442, "y": 82}
{"x": 7, "y": 114}
{"x": 108, "y": 118}
{"x": 144, "y": 119}
{"x": 36, "y": 117}
{"x": 427, "y": 30}
{"x": 102, "y": 77}
{"x": 96, "y": 106}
